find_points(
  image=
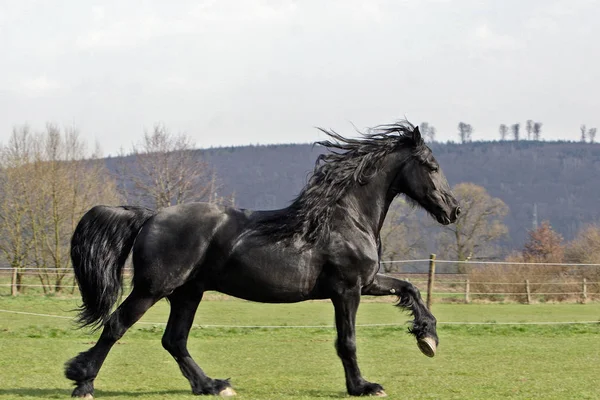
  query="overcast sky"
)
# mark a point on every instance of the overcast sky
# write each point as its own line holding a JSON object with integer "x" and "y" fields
{"x": 268, "y": 71}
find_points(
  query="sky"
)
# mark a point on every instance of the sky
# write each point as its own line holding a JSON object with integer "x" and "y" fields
{"x": 269, "y": 71}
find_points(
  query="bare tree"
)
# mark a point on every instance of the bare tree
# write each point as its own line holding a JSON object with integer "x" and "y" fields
{"x": 529, "y": 128}
{"x": 15, "y": 184}
{"x": 479, "y": 226}
{"x": 464, "y": 131}
{"x": 48, "y": 184}
{"x": 516, "y": 131}
{"x": 592, "y": 134}
{"x": 503, "y": 129}
{"x": 68, "y": 185}
{"x": 537, "y": 130}
{"x": 585, "y": 247}
{"x": 583, "y": 131}
{"x": 424, "y": 128}
{"x": 166, "y": 171}
{"x": 427, "y": 131}
{"x": 431, "y": 134}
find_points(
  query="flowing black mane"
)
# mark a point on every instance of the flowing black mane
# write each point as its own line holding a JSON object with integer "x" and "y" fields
{"x": 348, "y": 162}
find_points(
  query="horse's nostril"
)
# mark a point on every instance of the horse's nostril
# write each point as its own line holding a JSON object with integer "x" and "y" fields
{"x": 457, "y": 212}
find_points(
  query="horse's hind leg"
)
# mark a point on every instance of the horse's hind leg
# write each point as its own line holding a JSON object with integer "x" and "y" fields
{"x": 424, "y": 324}
{"x": 84, "y": 368}
{"x": 184, "y": 303}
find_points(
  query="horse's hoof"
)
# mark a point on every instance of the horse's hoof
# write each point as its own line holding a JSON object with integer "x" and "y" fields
{"x": 84, "y": 390}
{"x": 380, "y": 393}
{"x": 427, "y": 346}
{"x": 227, "y": 392}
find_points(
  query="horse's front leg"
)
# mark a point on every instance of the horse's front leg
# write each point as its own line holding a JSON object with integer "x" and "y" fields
{"x": 346, "y": 305}
{"x": 424, "y": 324}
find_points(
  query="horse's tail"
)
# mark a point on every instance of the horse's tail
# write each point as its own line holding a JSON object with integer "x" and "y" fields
{"x": 100, "y": 246}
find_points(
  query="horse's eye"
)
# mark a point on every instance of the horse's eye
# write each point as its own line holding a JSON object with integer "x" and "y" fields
{"x": 434, "y": 168}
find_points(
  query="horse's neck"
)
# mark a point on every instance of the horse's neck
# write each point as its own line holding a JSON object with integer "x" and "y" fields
{"x": 370, "y": 202}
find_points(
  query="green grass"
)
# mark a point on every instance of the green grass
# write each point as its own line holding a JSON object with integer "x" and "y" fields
{"x": 474, "y": 361}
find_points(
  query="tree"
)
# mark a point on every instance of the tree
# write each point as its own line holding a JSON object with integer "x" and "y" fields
{"x": 48, "y": 184}
{"x": 585, "y": 247}
{"x": 583, "y": 130}
{"x": 15, "y": 184}
{"x": 479, "y": 226}
{"x": 166, "y": 171}
{"x": 424, "y": 128}
{"x": 401, "y": 234}
{"x": 68, "y": 184}
{"x": 592, "y": 134}
{"x": 529, "y": 128}
{"x": 537, "y": 130}
{"x": 515, "y": 131}
{"x": 428, "y": 132}
{"x": 503, "y": 129}
{"x": 431, "y": 134}
{"x": 464, "y": 131}
{"x": 544, "y": 245}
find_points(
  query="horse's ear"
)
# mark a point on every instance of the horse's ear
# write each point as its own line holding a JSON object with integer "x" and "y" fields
{"x": 416, "y": 133}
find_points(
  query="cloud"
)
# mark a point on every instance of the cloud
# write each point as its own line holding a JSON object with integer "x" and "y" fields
{"x": 98, "y": 13}
{"x": 552, "y": 17}
{"x": 250, "y": 10}
{"x": 128, "y": 33}
{"x": 39, "y": 86}
{"x": 542, "y": 23}
{"x": 135, "y": 27}
{"x": 369, "y": 11}
{"x": 485, "y": 38}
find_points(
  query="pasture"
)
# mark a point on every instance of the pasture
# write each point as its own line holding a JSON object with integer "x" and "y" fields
{"x": 492, "y": 361}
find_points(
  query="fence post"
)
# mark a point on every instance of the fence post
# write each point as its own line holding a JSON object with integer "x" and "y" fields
{"x": 528, "y": 291}
{"x": 467, "y": 291}
{"x": 430, "y": 280}
{"x": 13, "y": 282}
{"x": 584, "y": 291}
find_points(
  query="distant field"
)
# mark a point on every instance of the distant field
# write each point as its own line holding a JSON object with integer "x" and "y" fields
{"x": 493, "y": 361}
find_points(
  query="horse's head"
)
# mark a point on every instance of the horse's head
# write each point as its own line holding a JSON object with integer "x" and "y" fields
{"x": 420, "y": 178}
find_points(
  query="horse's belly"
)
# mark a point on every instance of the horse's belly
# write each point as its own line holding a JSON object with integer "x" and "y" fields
{"x": 269, "y": 278}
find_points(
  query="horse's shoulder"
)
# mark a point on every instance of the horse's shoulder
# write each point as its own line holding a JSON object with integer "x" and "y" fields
{"x": 353, "y": 247}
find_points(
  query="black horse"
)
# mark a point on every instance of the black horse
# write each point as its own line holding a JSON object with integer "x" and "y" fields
{"x": 325, "y": 245}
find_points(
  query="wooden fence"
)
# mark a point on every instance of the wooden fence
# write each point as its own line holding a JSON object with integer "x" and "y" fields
{"x": 482, "y": 282}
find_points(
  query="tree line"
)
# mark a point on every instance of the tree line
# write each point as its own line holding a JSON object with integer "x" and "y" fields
{"x": 533, "y": 130}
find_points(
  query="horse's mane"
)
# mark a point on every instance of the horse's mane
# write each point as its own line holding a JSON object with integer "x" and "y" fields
{"x": 347, "y": 162}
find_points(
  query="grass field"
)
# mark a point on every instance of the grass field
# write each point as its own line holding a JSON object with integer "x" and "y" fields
{"x": 494, "y": 361}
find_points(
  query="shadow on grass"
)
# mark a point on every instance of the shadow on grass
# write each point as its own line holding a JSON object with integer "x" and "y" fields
{"x": 316, "y": 394}
{"x": 64, "y": 394}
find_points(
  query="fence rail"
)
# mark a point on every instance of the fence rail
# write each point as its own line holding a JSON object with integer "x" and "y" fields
{"x": 479, "y": 280}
